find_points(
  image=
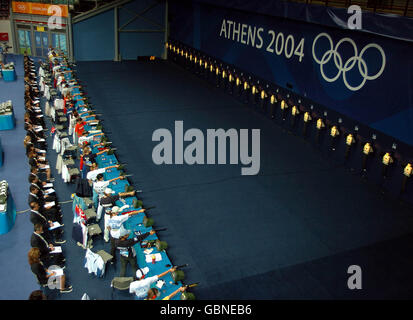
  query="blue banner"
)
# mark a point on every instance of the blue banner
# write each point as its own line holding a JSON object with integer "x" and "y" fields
{"x": 363, "y": 76}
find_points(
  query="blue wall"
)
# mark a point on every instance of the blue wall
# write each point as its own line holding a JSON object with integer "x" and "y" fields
{"x": 132, "y": 45}
{"x": 384, "y": 103}
{"x": 93, "y": 39}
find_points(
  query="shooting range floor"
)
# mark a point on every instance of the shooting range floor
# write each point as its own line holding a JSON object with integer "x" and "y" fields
{"x": 290, "y": 232}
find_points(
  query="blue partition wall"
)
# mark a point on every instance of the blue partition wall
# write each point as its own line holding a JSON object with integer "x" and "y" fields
{"x": 94, "y": 38}
{"x": 365, "y": 75}
{"x": 151, "y": 43}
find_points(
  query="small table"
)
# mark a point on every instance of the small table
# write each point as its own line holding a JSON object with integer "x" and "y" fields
{"x": 7, "y": 215}
{"x": 7, "y": 121}
{"x": 1, "y": 154}
{"x": 8, "y": 74}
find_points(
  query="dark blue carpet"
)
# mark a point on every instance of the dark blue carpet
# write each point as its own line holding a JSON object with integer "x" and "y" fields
{"x": 289, "y": 232}
{"x": 16, "y": 277}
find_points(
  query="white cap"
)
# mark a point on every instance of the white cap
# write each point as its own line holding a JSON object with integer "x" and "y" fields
{"x": 108, "y": 191}
{"x": 115, "y": 209}
{"x": 141, "y": 272}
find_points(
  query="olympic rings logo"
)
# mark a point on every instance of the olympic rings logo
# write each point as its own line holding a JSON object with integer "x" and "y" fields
{"x": 350, "y": 63}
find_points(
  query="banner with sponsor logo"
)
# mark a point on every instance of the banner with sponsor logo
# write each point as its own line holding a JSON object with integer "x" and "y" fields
{"x": 40, "y": 8}
{"x": 364, "y": 76}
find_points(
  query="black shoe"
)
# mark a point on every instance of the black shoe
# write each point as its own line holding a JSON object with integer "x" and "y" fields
{"x": 66, "y": 290}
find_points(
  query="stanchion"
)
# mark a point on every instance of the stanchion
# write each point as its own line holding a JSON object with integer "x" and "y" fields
{"x": 294, "y": 116}
{"x": 334, "y": 133}
{"x": 273, "y": 105}
{"x": 407, "y": 172}
{"x": 367, "y": 152}
{"x": 263, "y": 100}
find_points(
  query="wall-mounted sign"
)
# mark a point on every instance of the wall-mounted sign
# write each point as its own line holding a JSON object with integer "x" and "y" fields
{"x": 4, "y": 36}
{"x": 40, "y": 8}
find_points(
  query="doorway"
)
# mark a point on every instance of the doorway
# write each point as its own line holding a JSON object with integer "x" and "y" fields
{"x": 36, "y": 39}
{"x": 24, "y": 40}
{"x": 41, "y": 42}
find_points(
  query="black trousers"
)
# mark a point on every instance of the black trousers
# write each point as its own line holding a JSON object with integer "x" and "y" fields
{"x": 124, "y": 263}
{"x": 113, "y": 249}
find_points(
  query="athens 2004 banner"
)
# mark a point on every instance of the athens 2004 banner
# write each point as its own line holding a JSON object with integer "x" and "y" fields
{"x": 365, "y": 77}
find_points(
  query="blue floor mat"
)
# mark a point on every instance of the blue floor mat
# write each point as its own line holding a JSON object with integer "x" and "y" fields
{"x": 300, "y": 207}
